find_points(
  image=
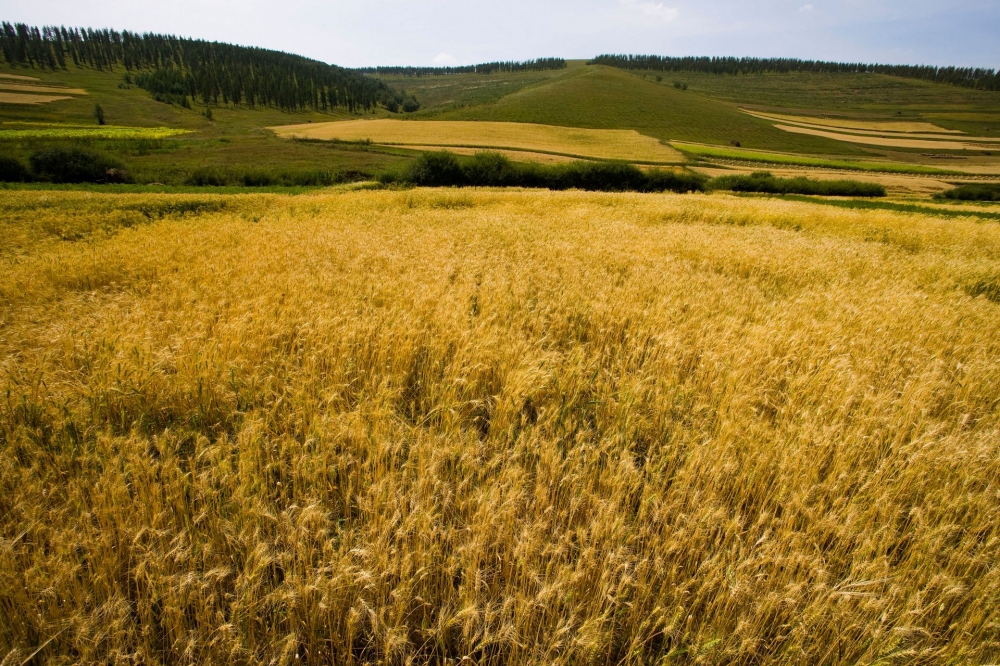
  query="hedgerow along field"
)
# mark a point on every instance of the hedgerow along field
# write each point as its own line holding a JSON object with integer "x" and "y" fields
{"x": 496, "y": 427}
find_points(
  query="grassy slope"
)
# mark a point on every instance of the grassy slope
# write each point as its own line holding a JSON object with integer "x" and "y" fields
{"x": 437, "y": 93}
{"x": 604, "y": 98}
{"x": 860, "y": 96}
{"x": 235, "y": 138}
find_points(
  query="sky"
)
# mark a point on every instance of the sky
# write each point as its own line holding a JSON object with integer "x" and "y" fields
{"x": 357, "y": 33}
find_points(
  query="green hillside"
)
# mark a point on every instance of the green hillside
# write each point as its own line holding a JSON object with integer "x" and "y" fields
{"x": 235, "y": 139}
{"x": 604, "y": 98}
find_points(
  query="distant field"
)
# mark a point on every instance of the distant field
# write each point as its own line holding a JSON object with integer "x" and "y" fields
{"x": 496, "y": 428}
{"x": 597, "y": 144}
{"x": 804, "y": 160}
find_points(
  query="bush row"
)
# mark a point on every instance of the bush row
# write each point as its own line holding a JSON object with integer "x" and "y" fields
{"x": 444, "y": 169}
{"x": 976, "y": 192}
{"x": 765, "y": 182}
{"x": 63, "y": 165}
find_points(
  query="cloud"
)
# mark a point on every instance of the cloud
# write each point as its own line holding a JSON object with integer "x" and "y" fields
{"x": 805, "y": 9}
{"x": 655, "y": 11}
{"x": 445, "y": 59}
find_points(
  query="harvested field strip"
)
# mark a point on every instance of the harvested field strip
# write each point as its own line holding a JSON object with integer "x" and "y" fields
{"x": 625, "y": 145}
{"x": 855, "y": 125}
{"x": 739, "y": 154}
{"x": 16, "y": 77}
{"x": 898, "y": 135}
{"x": 23, "y": 98}
{"x": 42, "y": 89}
{"x": 884, "y": 141}
{"x": 516, "y": 155}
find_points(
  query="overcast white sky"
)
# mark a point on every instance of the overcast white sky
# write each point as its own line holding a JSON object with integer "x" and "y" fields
{"x": 356, "y": 33}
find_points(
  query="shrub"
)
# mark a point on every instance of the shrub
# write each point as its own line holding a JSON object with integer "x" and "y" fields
{"x": 76, "y": 165}
{"x": 440, "y": 169}
{"x": 491, "y": 170}
{"x": 765, "y": 182}
{"x": 667, "y": 180}
{"x": 977, "y": 192}
{"x": 12, "y": 171}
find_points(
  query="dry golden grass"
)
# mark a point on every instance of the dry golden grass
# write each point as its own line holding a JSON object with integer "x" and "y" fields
{"x": 41, "y": 89}
{"x": 23, "y": 98}
{"x": 483, "y": 427}
{"x": 16, "y": 77}
{"x": 514, "y": 155}
{"x": 569, "y": 141}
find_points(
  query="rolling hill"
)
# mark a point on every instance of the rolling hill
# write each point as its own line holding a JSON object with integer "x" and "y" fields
{"x": 597, "y": 97}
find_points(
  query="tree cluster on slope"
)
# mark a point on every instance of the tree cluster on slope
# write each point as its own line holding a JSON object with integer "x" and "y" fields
{"x": 541, "y": 64}
{"x": 968, "y": 77}
{"x": 175, "y": 69}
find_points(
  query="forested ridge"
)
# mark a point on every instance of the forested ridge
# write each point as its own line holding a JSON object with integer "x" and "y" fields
{"x": 968, "y": 77}
{"x": 175, "y": 69}
{"x": 540, "y": 64}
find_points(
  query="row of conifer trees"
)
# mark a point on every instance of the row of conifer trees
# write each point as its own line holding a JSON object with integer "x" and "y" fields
{"x": 540, "y": 64}
{"x": 211, "y": 72}
{"x": 969, "y": 77}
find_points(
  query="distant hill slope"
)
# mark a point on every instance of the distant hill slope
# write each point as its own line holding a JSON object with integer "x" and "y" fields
{"x": 605, "y": 98}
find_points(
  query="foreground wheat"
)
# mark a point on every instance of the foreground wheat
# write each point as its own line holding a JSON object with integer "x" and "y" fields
{"x": 496, "y": 428}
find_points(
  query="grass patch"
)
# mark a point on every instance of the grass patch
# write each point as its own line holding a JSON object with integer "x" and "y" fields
{"x": 273, "y": 177}
{"x": 799, "y": 160}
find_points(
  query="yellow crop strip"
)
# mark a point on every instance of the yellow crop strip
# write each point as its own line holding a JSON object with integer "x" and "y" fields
{"x": 625, "y": 145}
{"x": 495, "y": 427}
{"x": 44, "y": 131}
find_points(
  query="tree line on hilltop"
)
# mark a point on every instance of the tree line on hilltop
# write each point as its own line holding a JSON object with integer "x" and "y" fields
{"x": 968, "y": 77}
{"x": 174, "y": 69}
{"x": 541, "y": 64}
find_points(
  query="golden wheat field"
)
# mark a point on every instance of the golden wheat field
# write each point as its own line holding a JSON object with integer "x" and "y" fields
{"x": 610, "y": 144}
{"x": 495, "y": 427}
